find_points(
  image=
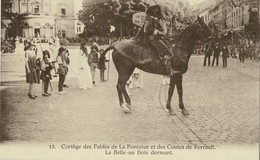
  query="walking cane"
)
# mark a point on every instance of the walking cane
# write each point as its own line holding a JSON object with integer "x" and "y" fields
{"x": 51, "y": 86}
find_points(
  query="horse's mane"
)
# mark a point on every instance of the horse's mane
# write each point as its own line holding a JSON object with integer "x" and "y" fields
{"x": 186, "y": 32}
{"x": 184, "y": 40}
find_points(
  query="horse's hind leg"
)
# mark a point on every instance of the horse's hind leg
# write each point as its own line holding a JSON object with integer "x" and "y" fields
{"x": 123, "y": 78}
{"x": 125, "y": 69}
{"x": 170, "y": 93}
{"x": 180, "y": 93}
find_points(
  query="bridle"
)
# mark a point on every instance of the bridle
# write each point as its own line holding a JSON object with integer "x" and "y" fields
{"x": 201, "y": 30}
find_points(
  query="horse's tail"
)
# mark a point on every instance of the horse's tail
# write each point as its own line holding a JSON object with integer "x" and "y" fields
{"x": 108, "y": 49}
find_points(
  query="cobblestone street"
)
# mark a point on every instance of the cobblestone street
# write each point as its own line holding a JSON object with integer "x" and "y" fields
{"x": 223, "y": 105}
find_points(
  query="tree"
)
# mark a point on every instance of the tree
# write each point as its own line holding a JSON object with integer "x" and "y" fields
{"x": 6, "y": 9}
{"x": 98, "y": 17}
{"x": 8, "y": 15}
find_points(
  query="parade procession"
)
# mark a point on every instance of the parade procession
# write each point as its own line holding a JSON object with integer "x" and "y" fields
{"x": 95, "y": 79}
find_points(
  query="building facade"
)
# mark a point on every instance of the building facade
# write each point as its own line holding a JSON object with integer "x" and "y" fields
{"x": 228, "y": 16}
{"x": 45, "y": 18}
{"x": 205, "y": 16}
{"x": 65, "y": 18}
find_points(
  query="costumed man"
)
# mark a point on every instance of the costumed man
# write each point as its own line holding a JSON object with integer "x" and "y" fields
{"x": 63, "y": 45}
{"x": 155, "y": 27}
{"x": 93, "y": 61}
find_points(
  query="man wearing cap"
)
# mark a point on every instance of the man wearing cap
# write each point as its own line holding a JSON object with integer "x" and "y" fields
{"x": 63, "y": 69}
{"x": 216, "y": 54}
{"x": 224, "y": 55}
{"x": 63, "y": 45}
{"x": 93, "y": 61}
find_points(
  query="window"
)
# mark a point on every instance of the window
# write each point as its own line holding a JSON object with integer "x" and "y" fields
{"x": 36, "y": 8}
{"x": 37, "y": 32}
{"x": 78, "y": 29}
{"x": 63, "y": 33}
{"x": 63, "y": 11}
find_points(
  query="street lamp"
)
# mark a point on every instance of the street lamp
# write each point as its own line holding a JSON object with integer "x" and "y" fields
{"x": 17, "y": 16}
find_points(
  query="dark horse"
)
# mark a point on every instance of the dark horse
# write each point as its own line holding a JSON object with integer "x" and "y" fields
{"x": 183, "y": 47}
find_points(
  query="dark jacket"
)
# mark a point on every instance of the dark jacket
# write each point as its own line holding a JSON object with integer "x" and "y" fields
{"x": 93, "y": 57}
{"x": 66, "y": 58}
{"x": 151, "y": 26}
{"x": 224, "y": 52}
{"x": 63, "y": 68}
{"x": 101, "y": 63}
{"x": 46, "y": 68}
{"x": 217, "y": 51}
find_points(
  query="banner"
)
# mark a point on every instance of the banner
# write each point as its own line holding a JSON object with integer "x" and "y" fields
{"x": 138, "y": 18}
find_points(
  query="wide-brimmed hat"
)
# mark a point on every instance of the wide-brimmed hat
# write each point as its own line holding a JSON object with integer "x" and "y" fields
{"x": 94, "y": 46}
{"x": 62, "y": 50}
{"x": 46, "y": 52}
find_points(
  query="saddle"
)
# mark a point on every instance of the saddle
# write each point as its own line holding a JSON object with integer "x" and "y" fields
{"x": 133, "y": 50}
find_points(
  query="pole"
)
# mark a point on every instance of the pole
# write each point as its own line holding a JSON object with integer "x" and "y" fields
{"x": 121, "y": 30}
{"x": 108, "y": 65}
{"x": 51, "y": 86}
{"x": 17, "y": 25}
{"x": 232, "y": 41}
{"x": 17, "y": 19}
{"x": 258, "y": 8}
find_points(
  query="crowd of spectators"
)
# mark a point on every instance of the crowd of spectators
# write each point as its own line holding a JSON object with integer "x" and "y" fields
{"x": 250, "y": 51}
{"x": 7, "y": 45}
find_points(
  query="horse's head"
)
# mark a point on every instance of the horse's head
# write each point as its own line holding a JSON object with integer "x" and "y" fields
{"x": 202, "y": 31}
{"x": 196, "y": 31}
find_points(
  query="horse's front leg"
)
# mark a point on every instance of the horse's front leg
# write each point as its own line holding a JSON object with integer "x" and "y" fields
{"x": 127, "y": 99}
{"x": 170, "y": 93}
{"x": 180, "y": 93}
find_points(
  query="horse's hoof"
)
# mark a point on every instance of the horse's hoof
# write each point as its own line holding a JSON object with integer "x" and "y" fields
{"x": 171, "y": 112}
{"x": 185, "y": 112}
{"x": 127, "y": 110}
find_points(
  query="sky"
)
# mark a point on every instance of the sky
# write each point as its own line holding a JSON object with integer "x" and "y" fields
{"x": 78, "y": 5}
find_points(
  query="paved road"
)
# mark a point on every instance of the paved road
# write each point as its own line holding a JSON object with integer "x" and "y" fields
{"x": 223, "y": 105}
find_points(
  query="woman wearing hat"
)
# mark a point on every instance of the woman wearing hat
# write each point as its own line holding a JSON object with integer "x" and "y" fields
{"x": 30, "y": 68}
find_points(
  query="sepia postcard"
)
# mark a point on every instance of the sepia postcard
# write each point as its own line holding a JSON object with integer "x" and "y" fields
{"x": 130, "y": 79}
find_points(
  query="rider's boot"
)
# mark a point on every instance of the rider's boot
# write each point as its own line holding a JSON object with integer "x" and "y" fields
{"x": 167, "y": 63}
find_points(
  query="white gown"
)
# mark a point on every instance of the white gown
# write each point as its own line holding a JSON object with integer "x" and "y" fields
{"x": 85, "y": 79}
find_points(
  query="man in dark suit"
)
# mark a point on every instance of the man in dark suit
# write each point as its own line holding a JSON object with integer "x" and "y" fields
{"x": 216, "y": 54}
{"x": 242, "y": 51}
{"x": 224, "y": 55}
{"x": 207, "y": 53}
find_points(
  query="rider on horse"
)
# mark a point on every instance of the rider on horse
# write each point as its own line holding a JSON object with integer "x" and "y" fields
{"x": 155, "y": 30}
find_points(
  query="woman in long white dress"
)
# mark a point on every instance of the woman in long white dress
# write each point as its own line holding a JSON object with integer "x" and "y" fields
{"x": 85, "y": 79}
